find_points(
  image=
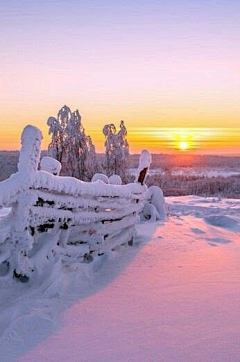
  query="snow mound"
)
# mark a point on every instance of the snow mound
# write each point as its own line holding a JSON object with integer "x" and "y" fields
{"x": 150, "y": 213}
{"x": 145, "y": 160}
{"x": 115, "y": 180}
{"x": 222, "y": 221}
{"x": 219, "y": 240}
{"x": 101, "y": 177}
{"x": 50, "y": 165}
{"x": 155, "y": 196}
{"x": 197, "y": 231}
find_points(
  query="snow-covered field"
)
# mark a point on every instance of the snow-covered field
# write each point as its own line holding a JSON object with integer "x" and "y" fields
{"x": 193, "y": 172}
{"x": 173, "y": 296}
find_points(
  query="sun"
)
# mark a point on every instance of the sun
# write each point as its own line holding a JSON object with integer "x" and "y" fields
{"x": 183, "y": 145}
{"x": 181, "y": 140}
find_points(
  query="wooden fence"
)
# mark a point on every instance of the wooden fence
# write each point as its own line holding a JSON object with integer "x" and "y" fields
{"x": 56, "y": 217}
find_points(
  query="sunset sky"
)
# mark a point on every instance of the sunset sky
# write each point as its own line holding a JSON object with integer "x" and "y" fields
{"x": 170, "y": 69}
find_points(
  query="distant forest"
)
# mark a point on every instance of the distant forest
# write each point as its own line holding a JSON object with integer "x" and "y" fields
{"x": 172, "y": 185}
{"x": 169, "y": 162}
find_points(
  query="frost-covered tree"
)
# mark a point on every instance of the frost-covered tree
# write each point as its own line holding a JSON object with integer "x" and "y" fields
{"x": 71, "y": 146}
{"x": 55, "y": 129}
{"x": 116, "y": 150}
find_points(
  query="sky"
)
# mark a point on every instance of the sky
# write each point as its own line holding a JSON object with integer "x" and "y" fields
{"x": 170, "y": 69}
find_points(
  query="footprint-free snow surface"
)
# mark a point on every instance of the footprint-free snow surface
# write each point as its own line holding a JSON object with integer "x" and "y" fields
{"x": 173, "y": 296}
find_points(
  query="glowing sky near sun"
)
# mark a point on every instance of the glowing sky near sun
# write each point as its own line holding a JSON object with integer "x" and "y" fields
{"x": 159, "y": 65}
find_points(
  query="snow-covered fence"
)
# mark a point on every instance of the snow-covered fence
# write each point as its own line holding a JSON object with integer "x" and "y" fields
{"x": 62, "y": 218}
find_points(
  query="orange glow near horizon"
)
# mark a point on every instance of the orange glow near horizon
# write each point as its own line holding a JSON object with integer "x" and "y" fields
{"x": 221, "y": 141}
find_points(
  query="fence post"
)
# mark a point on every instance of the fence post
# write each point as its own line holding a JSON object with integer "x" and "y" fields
{"x": 31, "y": 149}
{"x": 21, "y": 237}
{"x": 144, "y": 164}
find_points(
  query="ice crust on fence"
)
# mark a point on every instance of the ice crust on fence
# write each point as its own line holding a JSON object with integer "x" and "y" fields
{"x": 75, "y": 187}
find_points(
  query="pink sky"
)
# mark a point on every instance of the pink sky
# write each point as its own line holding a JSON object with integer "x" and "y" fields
{"x": 153, "y": 64}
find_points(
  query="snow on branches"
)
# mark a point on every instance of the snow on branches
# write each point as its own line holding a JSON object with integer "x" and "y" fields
{"x": 116, "y": 150}
{"x": 71, "y": 146}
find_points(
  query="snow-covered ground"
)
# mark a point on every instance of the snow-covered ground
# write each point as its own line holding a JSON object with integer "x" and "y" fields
{"x": 173, "y": 296}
